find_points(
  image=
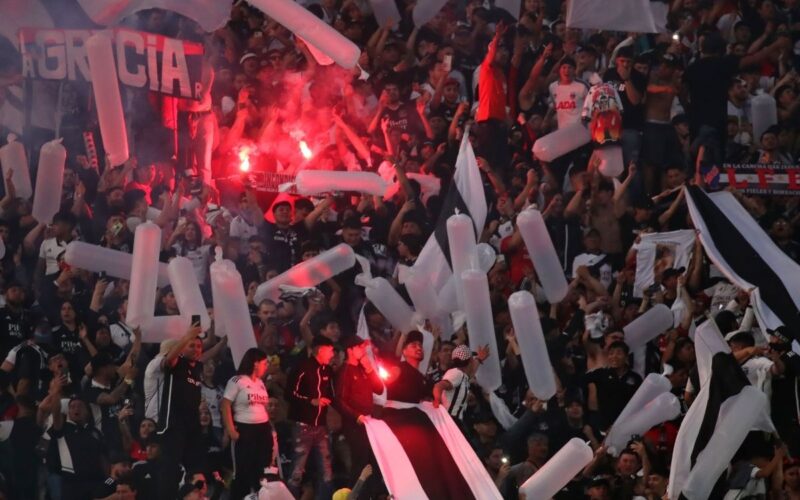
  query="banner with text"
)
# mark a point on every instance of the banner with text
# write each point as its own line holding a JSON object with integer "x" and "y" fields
{"x": 144, "y": 60}
{"x": 756, "y": 178}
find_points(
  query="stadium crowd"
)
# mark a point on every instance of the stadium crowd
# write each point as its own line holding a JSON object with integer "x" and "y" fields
{"x": 89, "y": 411}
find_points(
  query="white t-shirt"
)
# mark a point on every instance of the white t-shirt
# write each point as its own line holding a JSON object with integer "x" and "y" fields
{"x": 213, "y": 398}
{"x": 242, "y": 230}
{"x": 153, "y": 383}
{"x": 200, "y": 258}
{"x": 249, "y": 399}
{"x": 455, "y": 399}
{"x": 50, "y": 249}
{"x": 568, "y": 101}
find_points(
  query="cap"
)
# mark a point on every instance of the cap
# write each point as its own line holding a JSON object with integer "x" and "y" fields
{"x": 352, "y": 341}
{"x": 599, "y": 481}
{"x": 781, "y": 333}
{"x": 672, "y": 272}
{"x": 413, "y": 336}
{"x": 740, "y": 337}
{"x": 246, "y": 56}
{"x": 462, "y": 353}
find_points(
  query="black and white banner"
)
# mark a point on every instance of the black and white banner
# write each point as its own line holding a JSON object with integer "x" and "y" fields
{"x": 423, "y": 455}
{"x": 748, "y": 257}
{"x": 726, "y": 409}
{"x": 465, "y": 196}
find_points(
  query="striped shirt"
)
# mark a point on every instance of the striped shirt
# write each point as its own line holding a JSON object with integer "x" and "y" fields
{"x": 455, "y": 399}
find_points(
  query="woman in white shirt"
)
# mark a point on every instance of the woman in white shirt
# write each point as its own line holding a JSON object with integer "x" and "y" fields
{"x": 244, "y": 413}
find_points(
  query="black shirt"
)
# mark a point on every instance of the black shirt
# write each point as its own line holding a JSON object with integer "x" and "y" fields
{"x": 86, "y": 451}
{"x": 707, "y": 79}
{"x": 283, "y": 245}
{"x": 108, "y": 488}
{"x": 404, "y": 118}
{"x": 181, "y": 396}
{"x": 632, "y": 114}
{"x": 613, "y": 393}
{"x": 30, "y": 363}
{"x": 311, "y": 381}
{"x": 69, "y": 342}
{"x": 355, "y": 389}
{"x": 145, "y": 478}
{"x": 410, "y": 386}
{"x": 109, "y": 423}
{"x": 14, "y": 328}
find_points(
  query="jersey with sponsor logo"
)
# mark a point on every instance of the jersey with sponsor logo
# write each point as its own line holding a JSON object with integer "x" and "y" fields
{"x": 181, "y": 395}
{"x": 249, "y": 399}
{"x": 567, "y": 100}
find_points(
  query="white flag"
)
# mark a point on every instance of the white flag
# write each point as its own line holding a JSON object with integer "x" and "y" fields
{"x": 618, "y": 15}
{"x": 210, "y": 14}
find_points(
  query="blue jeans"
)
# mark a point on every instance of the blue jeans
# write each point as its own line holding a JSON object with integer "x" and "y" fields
{"x": 307, "y": 439}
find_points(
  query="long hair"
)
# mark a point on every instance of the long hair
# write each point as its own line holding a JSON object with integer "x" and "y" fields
{"x": 249, "y": 360}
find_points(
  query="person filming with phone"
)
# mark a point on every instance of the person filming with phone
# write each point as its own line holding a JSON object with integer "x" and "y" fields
{"x": 179, "y": 422}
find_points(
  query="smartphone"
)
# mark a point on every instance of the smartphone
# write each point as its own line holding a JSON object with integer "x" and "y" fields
{"x": 102, "y": 275}
{"x": 116, "y": 227}
{"x": 504, "y": 460}
{"x": 195, "y": 319}
{"x": 447, "y": 63}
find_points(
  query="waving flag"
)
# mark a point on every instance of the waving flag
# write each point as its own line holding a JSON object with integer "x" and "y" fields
{"x": 619, "y": 15}
{"x": 465, "y": 196}
{"x": 210, "y": 14}
{"x": 748, "y": 257}
{"x": 725, "y": 410}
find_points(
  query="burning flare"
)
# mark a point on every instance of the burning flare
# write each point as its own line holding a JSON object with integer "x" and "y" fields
{"x": 305, "y": 150}
{"x": 244, "y": 159}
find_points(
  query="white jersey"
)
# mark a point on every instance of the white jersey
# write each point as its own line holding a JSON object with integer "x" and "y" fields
{"x": 242, "y": 230}
{"x": 567, "y": 100}
{"x": 455, "y": 399}
{"x": 153, "y": 384}
{"x": 249, "y": 399}
{"x": 213, "y": 398}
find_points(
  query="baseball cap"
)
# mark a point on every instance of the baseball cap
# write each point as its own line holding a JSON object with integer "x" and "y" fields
{"x": 462, "y": 353}
{"x": 669, "y": 273}
{"x": 246, "y": 56}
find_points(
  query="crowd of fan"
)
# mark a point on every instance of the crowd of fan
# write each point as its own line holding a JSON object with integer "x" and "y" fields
{"x": 75, "y": 375}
